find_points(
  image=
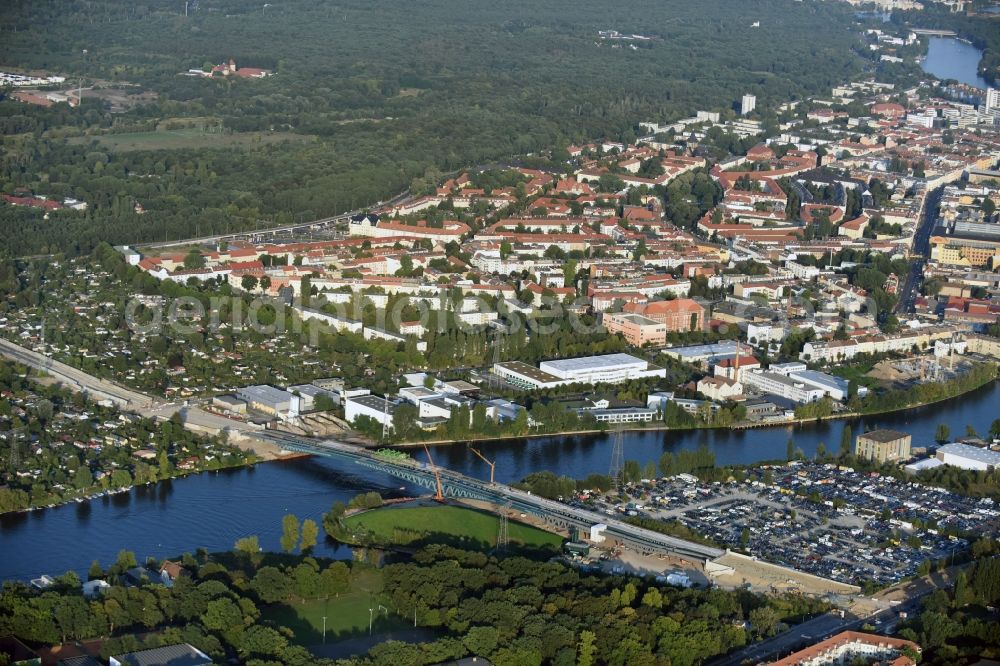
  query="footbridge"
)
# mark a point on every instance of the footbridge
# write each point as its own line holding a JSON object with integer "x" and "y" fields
{"x": 460, "y": 486}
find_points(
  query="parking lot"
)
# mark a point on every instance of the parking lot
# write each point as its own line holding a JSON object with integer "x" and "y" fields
{"x": 832, "y": 522}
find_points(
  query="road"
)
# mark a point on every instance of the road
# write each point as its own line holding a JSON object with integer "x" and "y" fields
{"x": 906, "y": 597}
{"x": 299, "y": 228}
{"x": 920, "y": 251}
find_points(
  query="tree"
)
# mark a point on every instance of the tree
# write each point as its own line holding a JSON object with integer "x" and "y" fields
{"x": 221, "y": 615}
{"x": 310, "y": 532}
{"x": 95, "y": 571}
{"x": 652, "y": 598}
{"x": 482, "y": 641}
{"x": 271, "y": 584}
{"x": 585, "y": 648}
{"x": 289, "y": 533}
{"x": 846, "y": 435}
{"x": 942, "y": 434}
{"x": 247, "y": 546}
{"x": 249, "y": 283}
{"x": 82, "y": 478}
{"x": 764, "y": 621}
{"x": 194, "y": 260}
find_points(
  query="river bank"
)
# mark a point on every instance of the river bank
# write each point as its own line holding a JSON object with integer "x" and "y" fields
{"x": 214, "y": 510}
{"x": 660, "y": 427}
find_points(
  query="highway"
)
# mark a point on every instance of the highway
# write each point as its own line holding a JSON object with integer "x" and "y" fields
{"x": 299, "y": 228}
{"x": 78, "y": 380}
{"x": 459, "y": 485}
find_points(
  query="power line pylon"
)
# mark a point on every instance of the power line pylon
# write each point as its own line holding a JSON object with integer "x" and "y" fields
{"x": 503, "y": 536}
{"x": 617, "y": 458}
{"x": 14, "y": 451}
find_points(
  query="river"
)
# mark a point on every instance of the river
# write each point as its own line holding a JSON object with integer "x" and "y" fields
{"x": 951, "y": 58}
{"x": 212, "y": 510}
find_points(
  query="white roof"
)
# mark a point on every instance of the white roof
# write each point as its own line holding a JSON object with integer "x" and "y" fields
{"x": 593, "y": 362}
{"x": 926, "y": 463}
{"x": 972, "y": 453}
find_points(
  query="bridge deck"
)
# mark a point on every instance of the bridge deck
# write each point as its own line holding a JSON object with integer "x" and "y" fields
{"x": 462, "y": 486}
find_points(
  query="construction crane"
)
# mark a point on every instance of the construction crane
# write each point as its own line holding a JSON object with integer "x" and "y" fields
{"x": 440, "y": 490}
{"x": 491, "y": 463}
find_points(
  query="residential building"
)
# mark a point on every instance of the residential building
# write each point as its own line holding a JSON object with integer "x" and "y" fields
{"x": 719, "y": 388}
{"x": 849, "y": 647}
{"x": 883, "y": 446}
{"x": 748, "y": 104}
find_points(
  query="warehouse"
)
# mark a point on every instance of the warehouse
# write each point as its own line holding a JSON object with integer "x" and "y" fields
{"x": 608, "y": 368}
{"x": 371, "y": 406}
{"x": 968, "y": 457}
{"x": 525, "y": 376}
{"x": 270, "y": 400}
{"x": 782, "y": 386}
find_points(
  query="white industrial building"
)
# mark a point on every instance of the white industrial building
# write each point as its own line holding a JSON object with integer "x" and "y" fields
{"x": 782, "y": 386}
{"x": 795, "y": 382}
{"x": 969, "y": 457}
{"x": 270, "y": 400}
{"x": 608, "y": 369}
{"x": 371, "y": 406}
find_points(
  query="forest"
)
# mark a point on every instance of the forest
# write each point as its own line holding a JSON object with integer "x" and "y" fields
{"x": 509, "y": 609}
{"x": 371, "y": 96}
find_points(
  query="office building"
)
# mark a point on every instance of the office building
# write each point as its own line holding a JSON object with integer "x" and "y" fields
{"x": 678, "y": 314}
{"x": 636, "y": 329}
{"x": 883, "y": 446}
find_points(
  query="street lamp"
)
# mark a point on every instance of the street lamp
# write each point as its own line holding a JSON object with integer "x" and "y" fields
{"x": 324, "y": 630}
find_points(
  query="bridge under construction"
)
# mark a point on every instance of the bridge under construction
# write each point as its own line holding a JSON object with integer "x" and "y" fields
{"x": 449, "y": 483}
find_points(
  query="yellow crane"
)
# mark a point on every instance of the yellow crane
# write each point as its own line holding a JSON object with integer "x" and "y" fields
{"x": 440, "y": 490}
{"x": 491, "y": 463}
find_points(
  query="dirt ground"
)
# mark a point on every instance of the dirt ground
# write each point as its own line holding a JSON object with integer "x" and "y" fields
{"x": 763, "y": 576}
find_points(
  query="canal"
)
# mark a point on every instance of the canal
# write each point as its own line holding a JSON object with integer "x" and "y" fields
{"x": 951, "y": 58}
{"x": 212, "y": 510}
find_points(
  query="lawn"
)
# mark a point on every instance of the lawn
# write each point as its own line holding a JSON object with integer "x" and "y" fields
{"x": 191, "y": 137}
{"x": 446, "y": 523}
{"x": 346, "y": 617}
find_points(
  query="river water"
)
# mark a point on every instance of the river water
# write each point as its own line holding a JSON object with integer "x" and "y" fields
{"x": 950, "y": 58}
{"x": 213, "y": 510}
